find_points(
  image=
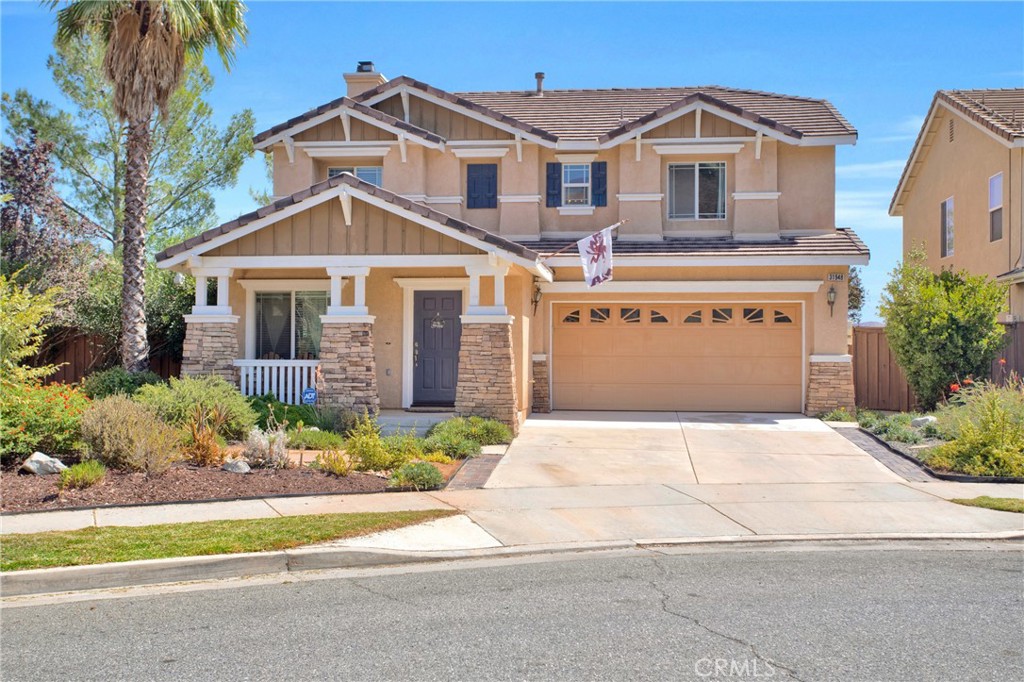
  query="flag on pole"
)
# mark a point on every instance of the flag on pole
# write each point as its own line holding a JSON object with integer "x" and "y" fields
{"x": 596, "y": 254}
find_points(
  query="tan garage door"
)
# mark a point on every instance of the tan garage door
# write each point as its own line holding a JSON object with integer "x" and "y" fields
{"x": 673, "y": 356}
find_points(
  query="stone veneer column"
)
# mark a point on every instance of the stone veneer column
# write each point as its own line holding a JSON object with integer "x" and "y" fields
{"x": 211, "y": 346}
{"x": 348, "y": 366}
{"x": 829, "y": 384}
{"x": 541, "y": 385}
{"x": 486, "y": 385}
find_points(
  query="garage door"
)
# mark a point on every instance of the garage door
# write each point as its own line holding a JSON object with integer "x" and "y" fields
{"x": 721, "y": 356}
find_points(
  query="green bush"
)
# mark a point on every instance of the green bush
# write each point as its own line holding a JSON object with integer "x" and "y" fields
{"x": 334, "y": 462}
{"x": 941, "y": 326}
{"x": 437, "y": 458}
{"x": 288, "y": 415}
{"x": 24, "y": 318}
{"x": 365, "y": 446}
{"x": 971, "y": 402}
{"x": 894, "y": 428}
{"x": 451, "y": 444}
{"x": 840, "y": 414}
{"x": 483, "y": 431}
{"x": 123, "y": 434}
{"x": 403, "y": 446}
{"x": 418, "y": 475}
{"x": 315, "y": 440}
{"x": 334, "y": 419}
{"x": 117, "y": 380}
{"x": 176, "y": 401}
{"x": 82, "y": 475}
{"x": 37, "y": 417}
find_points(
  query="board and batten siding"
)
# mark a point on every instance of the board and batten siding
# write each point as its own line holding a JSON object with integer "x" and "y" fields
{"x": 710, "y": 126}
{"x": 448, "y": 124}
{"x": 334, "y": 131}
{"x": 321, "y": 230}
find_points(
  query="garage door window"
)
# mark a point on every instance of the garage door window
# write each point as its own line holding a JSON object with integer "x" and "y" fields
{"x": 721, "y": 315}
{"x": 658, "y": 317}
{"x": 600, "y": 315}
{"x": 781, "y": 317}
{"x": 694, "y": 317}
{"x": 572, "y": 317}
{"x": 753, "y": 315}
{"x": 629, "y": 315}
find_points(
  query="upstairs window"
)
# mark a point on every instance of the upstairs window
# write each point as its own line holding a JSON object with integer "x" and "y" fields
{"x": 995, "y": 207}
{"x": 371, "y": 174}
{"x": 946, "y": 227}
{"x": 696, "y": 191}
{"x": 576, "y": 184}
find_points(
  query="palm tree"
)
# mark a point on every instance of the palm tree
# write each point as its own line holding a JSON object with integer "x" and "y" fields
{"x": 146, "y": 43}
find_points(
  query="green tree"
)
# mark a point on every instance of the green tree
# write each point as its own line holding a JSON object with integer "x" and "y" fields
{"x": 23, "y": 316}
{"x": 855, "y": 296}
{"x": 145, "y": 47}
{"x": 941, "y": 327}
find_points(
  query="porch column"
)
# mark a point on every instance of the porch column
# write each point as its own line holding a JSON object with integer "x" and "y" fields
{"x": 829, "y": 384}
{"x": 486, "y": 385}
{"x": 211, "y": 331}
{"x": 347, "y": 364}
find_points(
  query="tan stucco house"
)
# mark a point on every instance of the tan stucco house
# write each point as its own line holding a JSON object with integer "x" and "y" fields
{"x": 408, "y": 253}
{"x": 960, "y": 193}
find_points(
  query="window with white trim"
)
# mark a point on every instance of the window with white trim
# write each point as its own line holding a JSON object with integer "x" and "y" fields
{"x": 946, "y": 227}
{"x": 575, "y": 184}
{"x": 696, "y": 191}
{"x": 288, "y": 324}
{"x": 995, "y": 207}
{"x": 371, "y": 174}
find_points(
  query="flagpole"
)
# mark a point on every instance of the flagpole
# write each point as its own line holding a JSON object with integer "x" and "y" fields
{"x": 572, "y": 245}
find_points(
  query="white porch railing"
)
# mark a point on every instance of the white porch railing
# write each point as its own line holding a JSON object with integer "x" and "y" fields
{"x": 284, "y": 378}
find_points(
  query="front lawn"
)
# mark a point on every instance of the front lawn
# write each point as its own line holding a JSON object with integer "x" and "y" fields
{"x": 1007, "y": 504}
{"x": 115, "y": 543}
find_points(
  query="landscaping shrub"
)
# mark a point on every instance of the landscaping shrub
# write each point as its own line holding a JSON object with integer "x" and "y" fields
{"x": 334, "y": 419}
{"x": 437, "y": 458}
{"x": 24, "y": 317}
{"x": 82, "y": 475}
{"x": 267, "y": 449}
{"x": 202, "y": 446}
{"x": 334, "y": 462}
{"x": 122, "y": 434}
{"x": 970, "y": 402}
{"x": 176, "y": 401}
{"x": 418, "y": 475}
{"x": 268, "y": 407}
{"x": 989, "y": 438}
{"x": 37, "y": 417}
{"x": 117, "y": 380}
{"x": 452, "y": 444}
{"x": 365, "y": 446}
{"x": 895, "y": 427}
{"x": 483, "y": 431}
{"x": 840, "y": 414}
{"x": 315, "y": 440}
{"x": 403, "y": 446}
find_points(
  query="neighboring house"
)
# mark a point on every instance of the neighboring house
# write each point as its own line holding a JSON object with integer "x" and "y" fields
{"x": 407, "y": 253}
{"x": 960, "y": 194}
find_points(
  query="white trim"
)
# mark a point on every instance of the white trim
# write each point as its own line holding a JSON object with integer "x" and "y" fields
{"x": 694, "y": 261}
{"x": 409, "y": 261}
{"x": 220, "y": 319}
{"x": 539, "y": 357}
{"x": 522, "y": 237}
{"x": 342, "y": 111}
{"x": 650, "y": 196}
{"x": 653, "y": 237}
{"x": 688, "y": 234}
{"x": 759, "y": 286}
{"x": 419, "y": 198}
{"x": 337, "y": 151}
{"x": 573, "y": 234}
{"x": 665, "y": 149}
{"x": 805, "y": 233}
{"x": 409, "y": 286}
{"x": 487, "y": 319}
{"x": 576, "y": 158}
{"x": 831, "y": 358}
{"x": 477, "y": 143}
{"x": 694, "y": 106}
{"x": 347, "y": 319}
{"x": 211, "y": 310}
{"x": 519, "y": 198}
{"x": 991, "y": 133}
{"x": 479, "y": 152}
{"x": 575, "y": 210}
{"x": 748, "y": 196}
{"x": 756, "y": 236}
{"x": 454, "y": 199}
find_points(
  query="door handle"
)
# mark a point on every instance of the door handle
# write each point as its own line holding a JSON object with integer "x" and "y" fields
{"x": 415, "y": 354}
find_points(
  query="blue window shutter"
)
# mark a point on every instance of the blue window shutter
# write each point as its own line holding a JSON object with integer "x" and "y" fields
{"x": 482, "y": 185}
{"x": 554, "y": 185}
{"x": 599, "y": 182}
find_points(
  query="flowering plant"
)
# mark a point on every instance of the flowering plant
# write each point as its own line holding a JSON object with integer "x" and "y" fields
{"x": 41, "y": 417}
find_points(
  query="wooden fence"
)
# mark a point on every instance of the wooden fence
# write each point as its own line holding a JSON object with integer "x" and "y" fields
{"x": 879, "y": 383}
{"x": 76, "y": 356}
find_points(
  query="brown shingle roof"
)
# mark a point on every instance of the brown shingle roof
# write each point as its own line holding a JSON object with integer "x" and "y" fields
{"x": 349, "y": 179}
{"x": 999, "y": 110}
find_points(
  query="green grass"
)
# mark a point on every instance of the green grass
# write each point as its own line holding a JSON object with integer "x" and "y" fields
{"x": 113, "y": 544}
{"x": 1007, "y": 504}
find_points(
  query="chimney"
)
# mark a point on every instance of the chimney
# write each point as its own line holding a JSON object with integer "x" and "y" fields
{"x": 540, "y": 83}
{"x": 364, "y": 78}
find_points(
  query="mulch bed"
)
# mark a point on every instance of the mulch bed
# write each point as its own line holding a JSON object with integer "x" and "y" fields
{"x": 182, "y": 483}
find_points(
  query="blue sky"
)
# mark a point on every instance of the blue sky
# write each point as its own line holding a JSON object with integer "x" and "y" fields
{"x": 879, "y": 63}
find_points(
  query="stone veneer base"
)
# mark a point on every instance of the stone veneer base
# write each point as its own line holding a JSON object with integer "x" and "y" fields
{"x": 541, "y": 386}
{"x": 486, "y": 386}
{"x": 348, "y": 368}
{"x": 829, "y": 386}
{"x": 210, "y": 348}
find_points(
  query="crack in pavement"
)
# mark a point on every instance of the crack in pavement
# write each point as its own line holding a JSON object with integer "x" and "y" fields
{"x": 377, "y": 593}
{"x": 665, "y": 597}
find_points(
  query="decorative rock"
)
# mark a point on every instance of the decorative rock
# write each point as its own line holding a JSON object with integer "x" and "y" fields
{"x": 923, "y": 421}
{"x": 311, "y": 428}
{"x": 236, "y": 466}
{"x": 43, "y": 465}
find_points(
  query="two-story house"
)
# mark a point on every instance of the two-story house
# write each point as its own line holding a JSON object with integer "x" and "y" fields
{"x": 960, "y": 193}
{"x": 415, "y": 255}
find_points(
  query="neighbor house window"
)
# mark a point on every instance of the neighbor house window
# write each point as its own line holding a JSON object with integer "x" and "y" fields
{"x": 946, "y": 227}
{"x": 288, "y": 324}
{"x": 371, "y": 174}
{"x": 696, "y": 191}
{"x": 995, "y": 207}
{"x": 576, "y": 184}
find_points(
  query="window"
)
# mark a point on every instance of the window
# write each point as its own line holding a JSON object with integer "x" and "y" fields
{"x": 600, "y": 315}
{"x": 629, "y": 315}
{"x": 288, "y": 324}
{"x": 696, "y": 317}
{"x": 782, "y": 318}
{"x": 753, "y": 315}
{"x": 371, "y": 174}
{"x": 721, "y": 315}
{"x": 572, "y": 317}
{"x": 576, "y": 184}
{"x": 696, "y": 191}
{"x": 658, "y": 317}
{"x": 946, "y": 228}
{"x": 995, "y": 207}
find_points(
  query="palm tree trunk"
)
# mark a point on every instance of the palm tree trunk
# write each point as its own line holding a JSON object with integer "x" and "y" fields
{"x": 134, "y": 344}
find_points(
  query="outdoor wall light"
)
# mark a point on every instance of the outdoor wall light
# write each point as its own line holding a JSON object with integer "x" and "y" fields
{"x": 831, "y": 298}
{"x": 535, "y": 299}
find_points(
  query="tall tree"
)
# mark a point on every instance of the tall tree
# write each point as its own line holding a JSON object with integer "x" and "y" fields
{"x": 855, "y": 296}
{"x": 145, "y": 47}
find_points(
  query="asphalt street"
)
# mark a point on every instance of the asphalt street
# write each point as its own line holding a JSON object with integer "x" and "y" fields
{"x": 929, "y": 612}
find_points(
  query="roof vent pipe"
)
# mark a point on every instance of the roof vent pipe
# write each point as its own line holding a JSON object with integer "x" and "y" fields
{"x": 540, "y": 83}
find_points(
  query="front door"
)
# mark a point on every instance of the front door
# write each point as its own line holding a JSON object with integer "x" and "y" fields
{"x": 435, "y": 351}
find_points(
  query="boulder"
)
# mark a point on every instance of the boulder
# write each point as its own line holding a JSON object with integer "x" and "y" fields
{"x": 921, "y": 422}
{"x": 236, "y": 466}
{"x": 42, "y": 465}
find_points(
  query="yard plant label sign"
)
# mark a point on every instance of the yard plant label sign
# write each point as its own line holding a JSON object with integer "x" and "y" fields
{"x": 596, "y": 254}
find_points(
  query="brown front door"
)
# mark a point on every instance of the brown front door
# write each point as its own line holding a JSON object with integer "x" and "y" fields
{"x": 436, "y": 336}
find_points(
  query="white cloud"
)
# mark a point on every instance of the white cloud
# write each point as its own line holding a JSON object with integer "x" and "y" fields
{"x": 865, "y": 210}
{"x": 902, "y": 131}
{"x": 888, "y": 170}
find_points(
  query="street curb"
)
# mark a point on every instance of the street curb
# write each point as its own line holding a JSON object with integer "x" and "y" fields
{"x": 190, "y": 569}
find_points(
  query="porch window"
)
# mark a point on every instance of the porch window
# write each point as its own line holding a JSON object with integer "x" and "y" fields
{"x": 288, "y": 324}
{"x": 696, "y": 191}
{"x": 371, "y": 174}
